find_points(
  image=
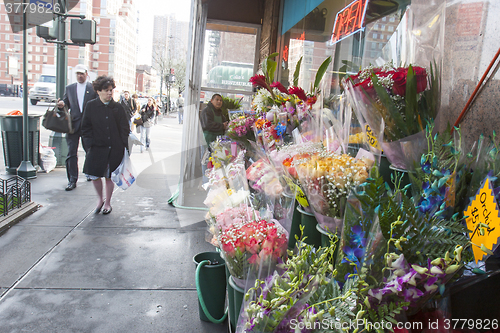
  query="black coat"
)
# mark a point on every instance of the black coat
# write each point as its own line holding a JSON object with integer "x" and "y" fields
{"x": 70, "y": 98}
{"x": 207, "y": 119}
{"x": 105, "y": 131}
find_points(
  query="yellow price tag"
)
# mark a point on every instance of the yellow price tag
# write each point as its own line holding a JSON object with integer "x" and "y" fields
{"x": 483, "y": 209}
{"x": 299, "y": 194}
{"x": 372, "y": 139}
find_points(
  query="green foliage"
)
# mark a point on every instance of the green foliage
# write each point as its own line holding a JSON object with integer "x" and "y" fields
{"x": 229, "y": 103}
{"x": 426, "y": 236}
{"x": 386, "y": 313}
{"x": 269, "y": 67}
{"x": 321, "y": 72}
{"x": 297, "y": 73}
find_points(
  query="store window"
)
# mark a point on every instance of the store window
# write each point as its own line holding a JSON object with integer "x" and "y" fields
{"x": 229, "y": 61}
{"x": 311, "y": 38}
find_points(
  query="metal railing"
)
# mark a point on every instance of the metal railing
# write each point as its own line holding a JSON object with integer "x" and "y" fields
{"x": 14, "y": 192}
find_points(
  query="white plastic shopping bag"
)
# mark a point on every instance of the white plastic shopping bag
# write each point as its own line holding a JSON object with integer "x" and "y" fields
{"x": 124, "y": 176}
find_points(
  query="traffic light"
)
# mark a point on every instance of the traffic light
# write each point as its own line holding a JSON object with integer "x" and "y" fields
{"x": 48, "y": 33}
{"x": 83, "y": 31}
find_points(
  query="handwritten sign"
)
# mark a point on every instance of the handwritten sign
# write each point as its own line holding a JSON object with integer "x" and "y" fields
{"x": 483, "y": 210}
{"x": 371, "y": 138}
{"x": 349, "y": 20}
{"x": 299, "y": 194}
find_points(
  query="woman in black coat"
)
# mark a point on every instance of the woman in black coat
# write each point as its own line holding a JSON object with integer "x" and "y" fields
{"x": 105, "y": 133}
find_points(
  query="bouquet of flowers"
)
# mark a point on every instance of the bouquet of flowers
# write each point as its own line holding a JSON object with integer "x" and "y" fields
{"x": 328, "y": 179}
{"x": 240, "y": 129}
{"x": 250, "y": 246}
{"x": 263, "y": 177}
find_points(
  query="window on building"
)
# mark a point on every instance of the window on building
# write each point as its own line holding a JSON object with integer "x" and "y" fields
{"x": 390, "y": 28}
{"x": 374, "y": 45}
{"x": 7, "y": 37}
{"x": 382, "y": 27}
{"x": 37, "y": 58}
{"x": 17, "y": 38}
{"x": 384, "y": 19}
{"x": 45, "y": 59}
{"x": 392, "y": 19}
{"x": 45, "y": 49}
{"x": 375, "y": 36}
{"x": 95, "y": 64}
{"x": 37, "y": 49}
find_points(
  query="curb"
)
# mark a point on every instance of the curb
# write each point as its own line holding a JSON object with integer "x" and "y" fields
{"x": 17, "y": 215}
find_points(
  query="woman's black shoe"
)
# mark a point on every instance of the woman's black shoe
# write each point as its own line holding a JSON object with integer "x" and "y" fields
{"x": 107, "y": 211}
{"x": 71, "y": 186}
{"x": 98, "y": 209}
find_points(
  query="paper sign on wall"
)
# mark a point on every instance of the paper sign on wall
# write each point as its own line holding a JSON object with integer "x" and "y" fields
{"x": 483, "y": 209}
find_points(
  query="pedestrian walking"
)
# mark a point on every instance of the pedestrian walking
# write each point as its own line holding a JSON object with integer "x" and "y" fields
{"x": 105, "y": 132}
{"x": 180, "y": 108}
{"x": 147, "y": 113}
{"x": 76, "y": 97}
{"x": 128, "y": 104}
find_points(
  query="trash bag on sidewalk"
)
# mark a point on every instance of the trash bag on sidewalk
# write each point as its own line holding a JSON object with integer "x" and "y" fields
{"x": 48, "y": 157}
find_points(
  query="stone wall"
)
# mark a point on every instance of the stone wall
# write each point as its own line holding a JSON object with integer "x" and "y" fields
{"x": 471, "y": 41}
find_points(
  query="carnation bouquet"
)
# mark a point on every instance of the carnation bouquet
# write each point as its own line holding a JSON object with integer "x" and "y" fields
{"x": 240, "y": 128}
{"x": 251, "y": 246}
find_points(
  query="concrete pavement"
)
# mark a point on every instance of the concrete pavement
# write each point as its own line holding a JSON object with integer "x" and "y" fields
{"x": 65, "y": 269}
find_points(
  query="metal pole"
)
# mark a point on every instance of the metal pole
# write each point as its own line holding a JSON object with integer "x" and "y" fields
{"x": 26, "y": 169}
{"x": 62, "y": 59}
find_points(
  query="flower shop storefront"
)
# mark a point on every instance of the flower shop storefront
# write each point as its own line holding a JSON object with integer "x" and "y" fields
{"x": 347, "y": 193}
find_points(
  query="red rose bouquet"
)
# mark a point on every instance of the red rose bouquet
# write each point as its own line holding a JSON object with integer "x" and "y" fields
{"x": 405, "y": 98}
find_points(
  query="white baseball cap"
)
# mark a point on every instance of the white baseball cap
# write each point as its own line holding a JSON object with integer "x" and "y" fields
{"x": 80, "y": 69}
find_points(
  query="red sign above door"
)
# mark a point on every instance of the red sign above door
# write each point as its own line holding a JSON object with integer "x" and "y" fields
{"x": 349, "y": 20}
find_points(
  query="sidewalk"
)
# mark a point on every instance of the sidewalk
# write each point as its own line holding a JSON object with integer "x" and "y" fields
{"x": 64, "y": 269}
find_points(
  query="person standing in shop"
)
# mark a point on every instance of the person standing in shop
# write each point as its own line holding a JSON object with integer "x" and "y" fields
{"x": 76, "y": 97}
{"x": 213, "y": 122}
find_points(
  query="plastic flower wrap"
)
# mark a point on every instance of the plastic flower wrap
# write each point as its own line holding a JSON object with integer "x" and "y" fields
{"x": 248, "y": 247}
{"x": 220, "y": 222}
{"x": 240, "y": 129}
{"x": 281, "y": 298}
{"x": 327, "y": 179}
{"x": 405, "y": 97}
{"x": 264, "y": 178}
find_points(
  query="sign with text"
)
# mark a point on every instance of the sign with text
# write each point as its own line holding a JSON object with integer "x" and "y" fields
{"x": 349, "y": 20}
{"x": 483, "y": 221}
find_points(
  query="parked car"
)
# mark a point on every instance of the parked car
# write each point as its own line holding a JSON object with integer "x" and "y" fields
{"x": 6, "y": 90}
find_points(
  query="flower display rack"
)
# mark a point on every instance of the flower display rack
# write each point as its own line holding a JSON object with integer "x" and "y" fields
{"x": 14, "y": 192}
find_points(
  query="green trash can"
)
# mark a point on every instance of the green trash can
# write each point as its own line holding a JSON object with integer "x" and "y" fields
{"x": 211, "y": 285}
{"x": 58, "y": 141}
{"x": 308, "y": 220}
{"x": 12, "y": 138}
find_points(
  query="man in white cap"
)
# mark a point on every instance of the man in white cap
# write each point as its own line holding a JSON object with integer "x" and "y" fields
{"x": 76, "y": 97}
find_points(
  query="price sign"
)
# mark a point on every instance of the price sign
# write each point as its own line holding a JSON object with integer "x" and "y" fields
{"x": 372, "y": 139}
{"x": 299, "y": 194}
{"x": 483, "y": 210}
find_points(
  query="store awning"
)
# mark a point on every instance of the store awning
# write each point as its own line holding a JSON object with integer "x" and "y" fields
{"x": 296, "y": 10}
{"x": 231, "y": 75}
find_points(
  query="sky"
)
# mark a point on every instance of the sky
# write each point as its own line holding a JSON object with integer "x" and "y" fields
{"x": 147, "y": 10}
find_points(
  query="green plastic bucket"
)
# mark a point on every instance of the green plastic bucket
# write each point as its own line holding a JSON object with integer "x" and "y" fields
{"x": 325, "y": 240}
{"x": 295, "y": 229}
{"x": 308, "y": 220}
{"x": 211, "y": 282}
{"x": 235, "y": 301}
